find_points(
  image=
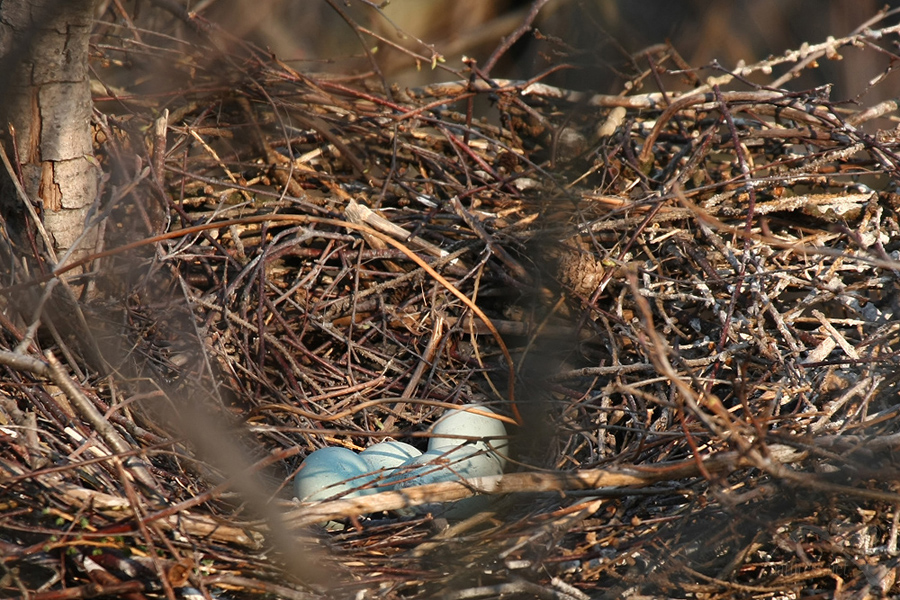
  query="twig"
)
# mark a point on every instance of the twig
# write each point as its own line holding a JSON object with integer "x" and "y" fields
{"x": 533, "y": 482}
{"x": 512, "y": 38}
{"x": 54, "y": 370}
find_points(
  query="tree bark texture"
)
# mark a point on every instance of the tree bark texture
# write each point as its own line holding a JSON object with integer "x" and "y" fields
{"x": 47, "y": 101}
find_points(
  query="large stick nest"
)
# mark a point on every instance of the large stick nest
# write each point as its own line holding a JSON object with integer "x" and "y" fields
{"x": 688, "y": 299}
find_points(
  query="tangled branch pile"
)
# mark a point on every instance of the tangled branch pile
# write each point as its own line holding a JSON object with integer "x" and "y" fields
{"x": 687, "y": 300}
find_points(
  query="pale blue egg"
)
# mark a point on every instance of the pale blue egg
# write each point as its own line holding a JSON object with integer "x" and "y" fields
{"x": 332, "y": 472}
{"x": 389, "y": 454}
{"x": 450, "y": 464}
{"x": 382, "y": 458}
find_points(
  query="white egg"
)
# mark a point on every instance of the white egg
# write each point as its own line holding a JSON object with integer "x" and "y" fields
{"x": 450, "y": 464}
{"x": 383, "y": 457}
{"x": 464, "y": 425}
{"x": 331, "y": 472}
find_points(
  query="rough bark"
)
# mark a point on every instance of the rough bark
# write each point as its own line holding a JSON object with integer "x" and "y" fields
{"x": 47, "y": 101}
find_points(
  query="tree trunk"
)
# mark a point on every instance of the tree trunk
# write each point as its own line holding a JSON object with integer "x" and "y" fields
{"x": 47, "y": 102}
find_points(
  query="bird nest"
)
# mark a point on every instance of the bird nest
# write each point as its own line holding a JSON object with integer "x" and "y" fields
{"x": 685, "y": 301}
